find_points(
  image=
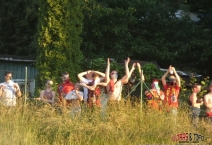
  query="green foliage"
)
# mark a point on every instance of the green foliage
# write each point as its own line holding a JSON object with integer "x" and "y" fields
{"x": 59, "y": 27}
{"x": 151, "y": 72}
{"x": 204, "y": 83}
{"x": 100, "y": 64}
{"x": 148, "y": 30}
{"x": 18, "y": 21}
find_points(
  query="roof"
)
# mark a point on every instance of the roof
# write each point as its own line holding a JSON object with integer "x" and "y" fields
{"x": 18, "y": 58}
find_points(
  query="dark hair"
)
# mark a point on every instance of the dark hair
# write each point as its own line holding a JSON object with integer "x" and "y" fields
{"x": 94, "y": 75}
{"x": 8, "y": 72}
{"x": 65, "y": 73}
{"x": 195, "y": 85}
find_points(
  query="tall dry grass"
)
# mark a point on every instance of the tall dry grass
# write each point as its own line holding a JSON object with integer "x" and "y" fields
{"x": 36, "y": 124}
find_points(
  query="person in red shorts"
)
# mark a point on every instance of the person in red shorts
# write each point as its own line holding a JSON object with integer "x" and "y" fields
{"x": 64, "y": 88}
{"x": 154, "y": 96}
{"x": 171, "y": 90}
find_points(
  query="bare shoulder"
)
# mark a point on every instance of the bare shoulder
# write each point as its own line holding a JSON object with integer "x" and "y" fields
{"x": 207, "y": 96}
{"x": 42, "y": 91}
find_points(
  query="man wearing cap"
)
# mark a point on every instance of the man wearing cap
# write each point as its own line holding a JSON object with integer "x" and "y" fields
{"x": 208, "y": 103}
{"x": 64, "y": 88}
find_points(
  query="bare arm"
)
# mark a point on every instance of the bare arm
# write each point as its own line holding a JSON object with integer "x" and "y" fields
{"x": 80, "y": 97}
{"x": 139, "y": 70}
{"x": 127, "y": 73}
{"x": 132, "y": 69}
{"x": 101, "y": 74}
{"x": 80, "y": 75}
{"x": 18, "y": 91}
{"x": 207, "y": 104}
{"x": 89, "y": 87}
{"x": 41, "y": 95}
{"x": 164, "y": 76}
{"x": 107, "y": 71}
{"x": 177, "y": 77}
{"x": 102, "y": 84}
{"x": 53, "y": 98}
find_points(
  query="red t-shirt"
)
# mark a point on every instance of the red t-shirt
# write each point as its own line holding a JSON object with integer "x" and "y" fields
{"x": 171, "y": 95}
{"x": 65, "y": 88}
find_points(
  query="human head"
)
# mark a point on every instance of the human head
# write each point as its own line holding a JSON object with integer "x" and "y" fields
{"x": 196, "y": 88}
{"x": 8, "y": 75}
{"x": 94, "y": 75}
{"x": 132, "y": 78}
{"x": 172, "y": 80}
{"x": 65, "y": 76}
{"x": 155, "y": 84}
{"x": 49, "y": 83}
{"x": 77, "y": 86}
{"x": 114, "y": 75}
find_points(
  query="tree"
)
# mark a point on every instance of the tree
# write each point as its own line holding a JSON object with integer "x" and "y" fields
{"x": 59, "y": 27}
{"x": 18, "y": 21}
{"x": 146, "y": 30}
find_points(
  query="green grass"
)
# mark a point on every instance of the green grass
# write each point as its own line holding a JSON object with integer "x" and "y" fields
{"x": 37, "y": 124}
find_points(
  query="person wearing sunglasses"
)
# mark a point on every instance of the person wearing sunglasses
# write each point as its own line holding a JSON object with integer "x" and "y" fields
{"x": 9, "y": 91}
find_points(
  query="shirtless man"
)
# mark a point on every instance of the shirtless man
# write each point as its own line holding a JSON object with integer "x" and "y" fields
{"x": 195, "y": 104}
{"x": 208, "y": 103}
{"x": 114, "y": 86}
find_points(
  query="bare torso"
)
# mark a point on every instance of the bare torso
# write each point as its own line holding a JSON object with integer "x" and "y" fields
{"x": 208, "y": 98}
{"x": 194, "y": 96}
{"x": 116, "y": 94}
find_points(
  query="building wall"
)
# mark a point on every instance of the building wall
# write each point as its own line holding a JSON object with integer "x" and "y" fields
{"x": 18, "y": 69}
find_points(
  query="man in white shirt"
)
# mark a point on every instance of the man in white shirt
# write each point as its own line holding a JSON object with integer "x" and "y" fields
{"x": 9, "y": 91}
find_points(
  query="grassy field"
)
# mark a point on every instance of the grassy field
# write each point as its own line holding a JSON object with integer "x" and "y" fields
{"x": 37, "y": 124}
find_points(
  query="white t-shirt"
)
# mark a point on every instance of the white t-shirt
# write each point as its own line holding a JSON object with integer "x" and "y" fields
{"x": 85, "y": 90}
{"x": 8, "y": 97}
{"x": 73, "y": 95}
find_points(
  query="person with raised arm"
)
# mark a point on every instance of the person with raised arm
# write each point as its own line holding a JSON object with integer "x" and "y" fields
{"x": 171, "y": 91}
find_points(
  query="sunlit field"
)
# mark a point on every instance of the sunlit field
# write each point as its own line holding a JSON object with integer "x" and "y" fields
{"x": 41, "y": 124}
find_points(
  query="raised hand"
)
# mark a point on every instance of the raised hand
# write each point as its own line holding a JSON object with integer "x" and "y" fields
{"x": 108, "y": 61}
{"x": 133, "y": 66}
{"x": 139, "y": 66}
{"x": 127, "y": 61}
{"x": 170, "y": 68}
{"x": 173, "y": 69}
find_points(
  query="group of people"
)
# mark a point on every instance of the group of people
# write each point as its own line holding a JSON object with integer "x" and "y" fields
{"x": 71, "y": 95}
